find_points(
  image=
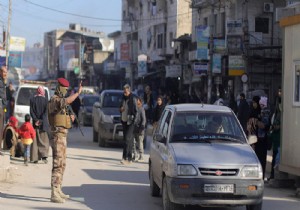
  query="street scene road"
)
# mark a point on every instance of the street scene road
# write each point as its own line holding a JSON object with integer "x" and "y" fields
{"x": 95, "y": 179}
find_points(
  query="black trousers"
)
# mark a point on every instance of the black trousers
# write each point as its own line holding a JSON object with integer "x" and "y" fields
{"x": 128, "y": 141}
{"x": 261, "y": 150}
{"x": 275, "y": 152}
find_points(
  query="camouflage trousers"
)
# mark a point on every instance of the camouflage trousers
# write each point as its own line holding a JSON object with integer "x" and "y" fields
{"x": 59, "y": 147}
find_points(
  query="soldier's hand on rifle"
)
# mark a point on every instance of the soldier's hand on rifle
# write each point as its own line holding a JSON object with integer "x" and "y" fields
{"x": 80, "y": 87}
{"x": 72, "y": 117}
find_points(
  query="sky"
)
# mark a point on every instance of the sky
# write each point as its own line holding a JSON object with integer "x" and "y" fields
{"x": 31, "y": 21}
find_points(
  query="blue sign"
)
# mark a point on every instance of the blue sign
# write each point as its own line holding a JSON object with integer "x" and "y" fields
{"x": 15, "y": 59}
{"x": 2, "y": 61}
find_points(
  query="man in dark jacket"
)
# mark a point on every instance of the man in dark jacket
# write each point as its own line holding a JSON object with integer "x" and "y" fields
{"x": 243, "y": 112}
{"x": 128, "y": 110}
{"x": 38, "y": 112}
{"x": 3, "y": 77}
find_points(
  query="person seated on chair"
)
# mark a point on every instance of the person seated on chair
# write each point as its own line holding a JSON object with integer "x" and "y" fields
{"x": 11, "y": 138}
{"x": 215, "y": 126}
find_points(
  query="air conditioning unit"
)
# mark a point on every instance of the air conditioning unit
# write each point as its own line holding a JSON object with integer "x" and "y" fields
{"x": 268, "y": 7}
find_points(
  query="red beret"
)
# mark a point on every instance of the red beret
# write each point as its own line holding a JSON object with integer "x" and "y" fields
{"x": 63, "y": 82}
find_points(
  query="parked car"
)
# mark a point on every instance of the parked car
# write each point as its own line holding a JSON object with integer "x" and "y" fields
{"x": 22, "y": 98}
{"x": 201, "y": 156}
{"x": 106, "y": 118}
{"x": 85, "y": 111}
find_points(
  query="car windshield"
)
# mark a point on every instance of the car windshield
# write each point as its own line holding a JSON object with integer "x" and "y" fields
{"x": 112, "y": 99}
{"x": 25, "y": 93}
{"x": 89, "y": 101}
{"x": 208, "y": 126}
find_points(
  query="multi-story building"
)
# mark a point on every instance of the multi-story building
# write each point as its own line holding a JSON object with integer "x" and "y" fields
{"x": 248, "y": 39}
{"x": 149, "y": 29}
{"x": 76, "y": 53}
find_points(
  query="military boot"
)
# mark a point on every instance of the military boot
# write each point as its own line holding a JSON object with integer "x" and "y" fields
{"x": 55, "y": 195}
{"x": 63, "y": 195}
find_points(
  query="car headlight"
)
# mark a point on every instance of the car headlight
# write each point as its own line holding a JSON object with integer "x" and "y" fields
{"x": 252, "y": 172}
{"x": 107, "y": 119}
{"x": 186, "y": 170}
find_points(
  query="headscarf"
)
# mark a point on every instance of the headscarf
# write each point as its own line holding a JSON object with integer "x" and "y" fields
{"x": 12, "y": 121}
{"x": 263, "y": 102}
{"x": 40, "y": 91}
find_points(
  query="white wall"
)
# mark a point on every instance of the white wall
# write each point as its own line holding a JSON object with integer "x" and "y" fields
{"x": 290, "y": 161}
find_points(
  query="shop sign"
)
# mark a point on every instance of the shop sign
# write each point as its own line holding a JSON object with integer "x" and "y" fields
{"x": 217, "y": 64}
{"x": 142, "y": 65}
{"x": 125, "y": 52}
{"x": 236, "y": 65}
{"x": 202, "y": 34}
{"x": 173, "y": 71}
{"x": 234, "y": 27}
{"x": 199, "y": 69}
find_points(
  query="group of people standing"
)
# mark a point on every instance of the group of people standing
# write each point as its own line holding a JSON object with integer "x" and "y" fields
{"x": 135, "y": 114}
{"x": 48, "y": 117}
{"x": 258, "y": 121}
{"x": 30, "y": 140}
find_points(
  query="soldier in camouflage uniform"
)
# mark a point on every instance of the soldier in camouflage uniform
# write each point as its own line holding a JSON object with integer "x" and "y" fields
{"x": 60, "y": 121}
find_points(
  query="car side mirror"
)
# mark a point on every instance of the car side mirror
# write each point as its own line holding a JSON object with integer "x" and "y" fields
{"x": 159, "y": 137}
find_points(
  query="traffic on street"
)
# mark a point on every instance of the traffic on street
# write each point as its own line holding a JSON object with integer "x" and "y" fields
{"x": 95, "y": 179}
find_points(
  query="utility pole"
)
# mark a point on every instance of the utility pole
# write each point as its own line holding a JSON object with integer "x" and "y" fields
{"x": 211, "y": 54}
{"x": 8, "y": 33}
{"x": 131, "y": 50}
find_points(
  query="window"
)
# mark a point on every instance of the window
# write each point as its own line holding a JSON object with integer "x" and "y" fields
{"x": 195, "y": 125}
{"x": 262, "y": 25}
{"x": 297, "y": 84}
{"x": 141, "y": 8}
{"x": 160, "y": 38}
{"x": 140, "y": 44}
{"x": 171, "y": 39}
{"x": 26, "y": 93}
{"x": 164, "y": 123}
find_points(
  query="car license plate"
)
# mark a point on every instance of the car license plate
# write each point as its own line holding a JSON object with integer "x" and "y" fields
{"x": 120, "y": 133}
{"x": 218, "y": 188}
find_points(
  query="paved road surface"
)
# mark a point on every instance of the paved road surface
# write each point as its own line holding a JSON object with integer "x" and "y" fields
{"x": 96, "y": 180}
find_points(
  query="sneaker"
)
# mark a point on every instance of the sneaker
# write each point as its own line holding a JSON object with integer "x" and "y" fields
{"x": 35, "y": 162}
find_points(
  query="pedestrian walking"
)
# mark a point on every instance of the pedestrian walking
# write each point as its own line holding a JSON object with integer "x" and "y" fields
{"x": 139, "y": 130}
{"x": 11, "y": 138}
{"x": 243, "y": 112}
{"x": 159, "y": 108}
{"x": 60, "y": 121}
{"x": 3, "y": 77}
{"x": 263, "y": 125}
{"x": 148, "y": 103}
{"x": 38, "y": 112}
{"x": 128, "y": 110}
{"x": 27, "y": 134}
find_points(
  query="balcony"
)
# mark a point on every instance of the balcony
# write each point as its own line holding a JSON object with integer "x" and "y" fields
{"x": 159, "y": 18}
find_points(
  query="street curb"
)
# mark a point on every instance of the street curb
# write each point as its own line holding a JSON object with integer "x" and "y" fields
{"x": 4, "y": 166}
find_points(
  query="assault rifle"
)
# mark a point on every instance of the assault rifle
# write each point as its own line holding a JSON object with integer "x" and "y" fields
{"x": 71, "y": 112}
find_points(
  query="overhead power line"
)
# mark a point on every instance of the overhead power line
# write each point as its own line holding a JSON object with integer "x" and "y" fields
{"x": 69, "y": 13}
{"x": 98, "y": 18}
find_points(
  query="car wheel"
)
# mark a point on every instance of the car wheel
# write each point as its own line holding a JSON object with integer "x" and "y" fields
{"x": 95, "y": 135}
{"x": 167, "y": 204}
{"x": 154, "y": 189}
{"x": 254, "y": 207}
{"x": 101, "y": 141}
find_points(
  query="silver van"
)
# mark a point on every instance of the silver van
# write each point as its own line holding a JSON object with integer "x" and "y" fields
{"x": 200, "y": 156}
